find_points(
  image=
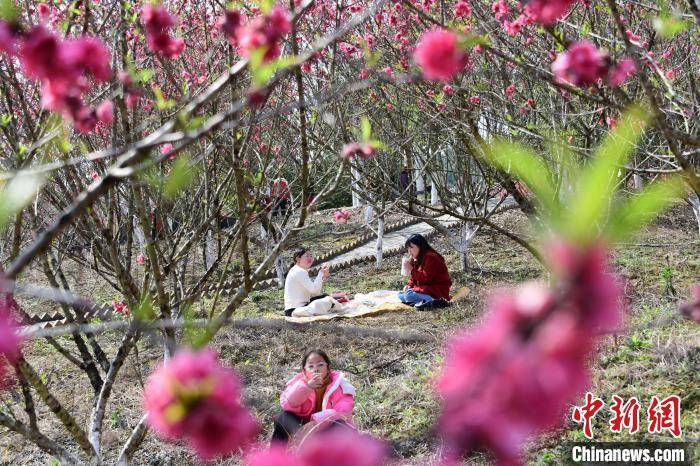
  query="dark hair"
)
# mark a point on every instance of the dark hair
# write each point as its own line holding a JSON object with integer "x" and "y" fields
{"x": 423, "y": 246}
{"x": 315, "y": 351}
{"x": 297, "y": 255}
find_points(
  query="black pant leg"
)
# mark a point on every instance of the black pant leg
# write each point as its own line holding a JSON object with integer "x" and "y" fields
{"x": 286, "y": 425}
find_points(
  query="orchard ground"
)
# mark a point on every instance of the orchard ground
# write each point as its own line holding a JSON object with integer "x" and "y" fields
{"x": 658, "y": 355}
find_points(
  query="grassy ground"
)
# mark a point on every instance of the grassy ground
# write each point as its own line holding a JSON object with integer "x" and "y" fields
{"x": 659, "y": 355}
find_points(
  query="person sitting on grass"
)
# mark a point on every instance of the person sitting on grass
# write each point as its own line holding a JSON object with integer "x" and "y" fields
{"x": 302, "y": 296}
{"x": 429, "y": 285}
{"x": 317, "y": 394}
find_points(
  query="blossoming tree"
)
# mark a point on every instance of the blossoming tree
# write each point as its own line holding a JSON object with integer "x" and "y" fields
{"x": 138, "y": 134}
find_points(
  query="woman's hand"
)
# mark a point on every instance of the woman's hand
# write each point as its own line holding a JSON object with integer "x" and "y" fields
{"x": 325, "y": 271}
{"x": 405, "y": 288}
{"x": 315, "y": 382}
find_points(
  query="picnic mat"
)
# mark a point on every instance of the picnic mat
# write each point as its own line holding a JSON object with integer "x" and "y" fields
{"x": 362, "y": 305}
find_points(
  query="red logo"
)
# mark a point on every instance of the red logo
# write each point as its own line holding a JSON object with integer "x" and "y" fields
{"x": 625, "y": 415}
{"x": 665, "y": 415}
{"x": 585, "y": 414}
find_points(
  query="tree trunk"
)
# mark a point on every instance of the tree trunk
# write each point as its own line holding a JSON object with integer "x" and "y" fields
{"x": 210, "y": 250}
{"x": 467, "y": 232}
{"x": 638, "y": 181}
{"x": 355, "y": 175}
{"x": 420, "y": 182}
{"x": 694, "y": 200}
{"x": 380, "y": 242}
{"x": 281, "y": 269}
{"x": 368, "y": 213}
{"x": 434, "y": 196}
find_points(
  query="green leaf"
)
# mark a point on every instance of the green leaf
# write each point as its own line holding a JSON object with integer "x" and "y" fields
{"x": 5, "y": 120}
{"x": 526, "y": 166}
{"x": 469, "y": 41}
{"x": 366, "y": 128}
{"x": 266, "y": 5}
{"x": 596, "y": 183}
{"x": 195, "y": 337}
{"x": 145, "y": 75}
{"x": 180, "y": 176}
{"x": 16, "y": 195}
{"x": 161, "y": 102}
{"x": 637, "y": 211}
{"x": 262, "y": 72}
{"x": 63, "y": 145}
{"x": 144, "y": 311}
{"x": 668, "y": 25}
{"x": 8, "y": 10}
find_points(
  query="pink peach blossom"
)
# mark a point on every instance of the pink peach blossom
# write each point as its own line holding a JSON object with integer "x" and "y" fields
{"x": 691, "y": 309}
{"x": 229, "y": 24}
{"x": 339, "y": 447}
{"x": 105, "y": 112}
{"x": 265, "y": 31}
{"x": 8, "y": 37}
{"x": 581, "y": 65}
{"x": 463, "y": 9}
{"x": 10, "y": 341}
{"x": 353, "y": 149}
{"x": 623, "y": 70}
{"x": 343, "y": 448}
{"x": 500, "y": 9}
{"x": 196, "y": 399}
{"x": 341, "y": 215}
{"x": 44, "y": 11}
{"x": 514, "y": 375}
{"x": 548, "y": 11}
{"x": 439, "y": 56}
{"x": 158, "y": 22}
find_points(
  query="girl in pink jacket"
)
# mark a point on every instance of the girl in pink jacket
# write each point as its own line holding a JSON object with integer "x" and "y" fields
{"x": 314, "y": 394}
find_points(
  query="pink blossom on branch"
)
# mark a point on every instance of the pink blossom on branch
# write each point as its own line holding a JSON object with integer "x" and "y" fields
{"x": 439, "y": 55}
{"x": 8, "y": 37}
{"x": 196, "y": 399}
{"x": 64, "y": 68}
{"x": 691, "y": 309}
{"x": 158, "y": 22}
{"x": 353, "y": 149}
{"x": 265, "y": 31}
{"x": 463, "y": 9}
{"x": 339, "y": 447}
{"x": 9, "y": 339}
{"x": 500, "y": 9}
{"x": 624, "y": 69}
{"x": 581, "y": 65}
{"x": 341, "y": 215}
{"x": 547, "y": 11}
{"x": 343, "y": 448}
{"x": 513, "y": 377}
{"x": 105, "y": 112}
{"x": 229, "y": 24}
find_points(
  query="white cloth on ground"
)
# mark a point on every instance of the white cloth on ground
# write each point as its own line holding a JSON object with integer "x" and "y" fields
{"x": 299, "y": 289}
{"x": 318, "y": 307}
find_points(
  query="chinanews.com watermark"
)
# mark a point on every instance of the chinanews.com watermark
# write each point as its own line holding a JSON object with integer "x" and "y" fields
{"x": 663, "y": 416}
{"x": 637, "y": 453}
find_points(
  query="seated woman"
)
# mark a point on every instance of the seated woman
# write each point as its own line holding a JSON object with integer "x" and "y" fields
{"x": 315, "y": 394}
{"x": 302, "y": 296}
{"x": 429, "y": 285}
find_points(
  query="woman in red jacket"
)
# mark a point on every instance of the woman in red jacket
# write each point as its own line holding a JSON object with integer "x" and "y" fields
{"x": 429, "y": 286}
